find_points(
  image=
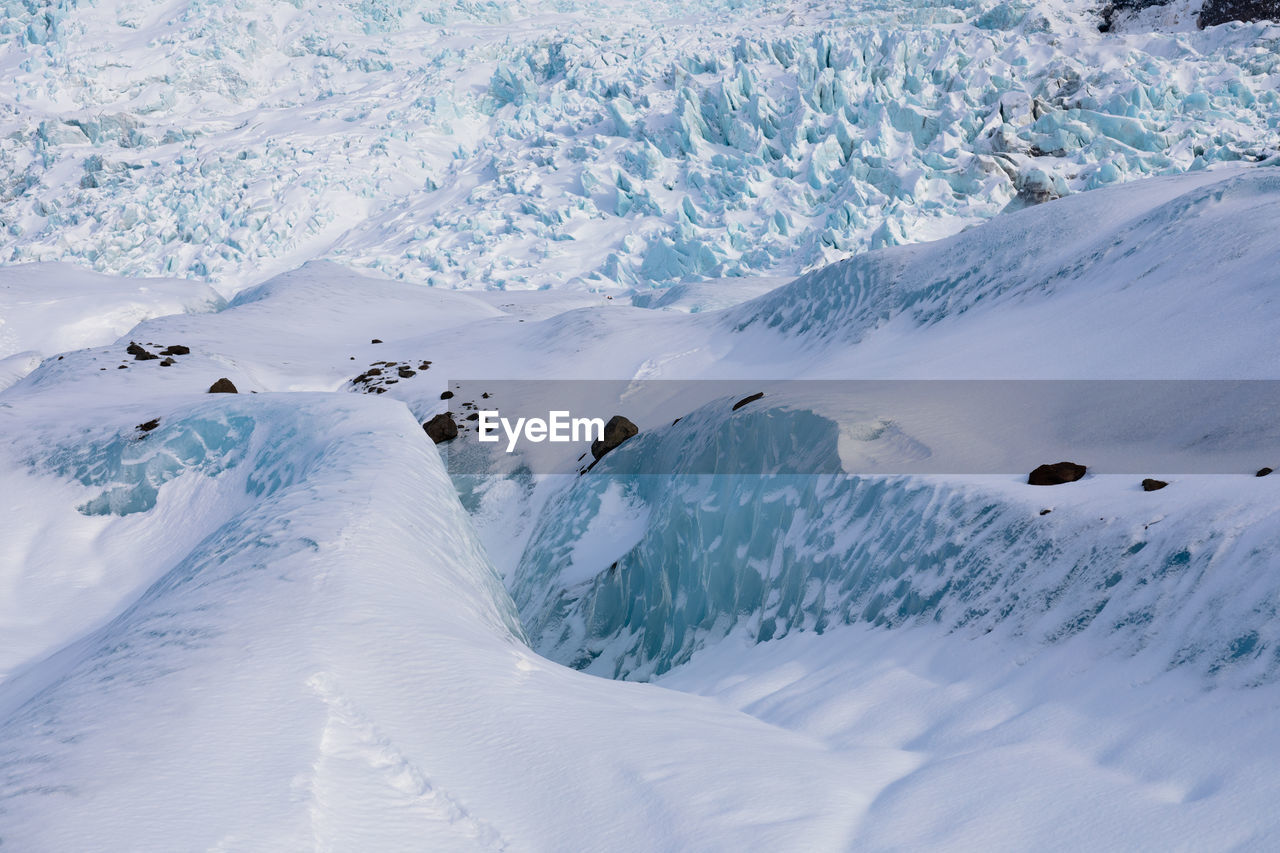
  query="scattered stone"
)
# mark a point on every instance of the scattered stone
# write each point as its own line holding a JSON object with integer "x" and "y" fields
{"x": 441, "y": 428}
{"x": 446, "y": 395}
{"x": 1045, "y": 511}
{"x": 168, "y": 362}
{"x": 474, "y": 416}
{"x": 616, "y": 431}
{"x": 375, "y": 341}
{"x": 1056, "y": 474}
{"x": 149, "y": 425}
{"x": 485, "y": 395}
{"x": 1150, "y": 485}
{"x": 123, "y": 367}
{"x": 405, "y": 373}
{"x": 745, "y": 400}
{"x": 1262, "y": 472}
{"x": 176, "y": 349}
{"x": 223, "y": 386}
{"x": 138, "y": 353}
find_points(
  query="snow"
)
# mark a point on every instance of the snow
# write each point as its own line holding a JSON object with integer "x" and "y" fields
{"x": 284, "y": 619}
{"x": 311, "y": 653}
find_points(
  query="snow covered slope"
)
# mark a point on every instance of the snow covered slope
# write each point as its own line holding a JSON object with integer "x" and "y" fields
{"x": 268, "y": 622}
{"x": 1180, "y": 286}
{"x": 300, "y": 645}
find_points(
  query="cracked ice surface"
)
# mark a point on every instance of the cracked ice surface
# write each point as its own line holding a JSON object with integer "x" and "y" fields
{"x": 491, "y": 145}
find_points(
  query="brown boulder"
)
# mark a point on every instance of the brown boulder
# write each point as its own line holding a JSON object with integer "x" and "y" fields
{"x": 223, "y": 386}
{"x": 441, "y": 428}
{"x": 616, "y": 431}
{"x": 1056, "y": 474}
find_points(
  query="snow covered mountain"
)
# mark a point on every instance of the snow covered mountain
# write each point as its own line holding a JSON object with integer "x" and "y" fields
{"x": 284, "y": 619}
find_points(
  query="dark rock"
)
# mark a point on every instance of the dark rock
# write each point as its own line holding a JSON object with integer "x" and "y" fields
{"x": 138, "y": 353}
{"x": 474, "y": 416}
{"x": 616, "y": 431}
{"x": 176, "y": 349}
{"x": 1112, "y": 9}
{"x": 1056, "y": 474}
{"x": 123, "y": 367}
{"x": 223, "y": 386}
{"x": 441, "y": 428}
{"x": 405, "y": 373}
{"x": 375, "y": 341}
{"x": 1215, "y": 12}
{"x": 1035, "y": 186}
{"x": 168, "y": 362}
{"x": 446, "y": 395}
{"x": 745, "y": 400}
{"x": 149, "y": 425}
{"x": 1262, "y": 472}
{"x": 1045, "y": 511}
{"x": 1150, "y": 485}
{"x": 485, "y": 395}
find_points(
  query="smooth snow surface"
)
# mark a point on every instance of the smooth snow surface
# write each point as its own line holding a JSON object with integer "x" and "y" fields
{"x": 281, "y": 620}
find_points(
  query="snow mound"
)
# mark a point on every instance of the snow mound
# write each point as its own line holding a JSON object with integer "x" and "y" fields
{"x": 1215, "y": 234}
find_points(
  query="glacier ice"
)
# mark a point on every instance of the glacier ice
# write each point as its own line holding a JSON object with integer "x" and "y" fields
{"x": 772, "y": 555}
{"x": 529, "y": 155}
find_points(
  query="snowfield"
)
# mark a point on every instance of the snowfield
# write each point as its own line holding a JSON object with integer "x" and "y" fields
{"x": 284, "y": 619}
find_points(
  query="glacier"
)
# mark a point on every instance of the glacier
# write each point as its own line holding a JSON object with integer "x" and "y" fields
{"x": 284, "y": 619}
{"x": 527, "y": 153}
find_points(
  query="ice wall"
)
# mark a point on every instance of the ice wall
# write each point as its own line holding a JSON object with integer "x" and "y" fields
{"x": 1182, "y": 579}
